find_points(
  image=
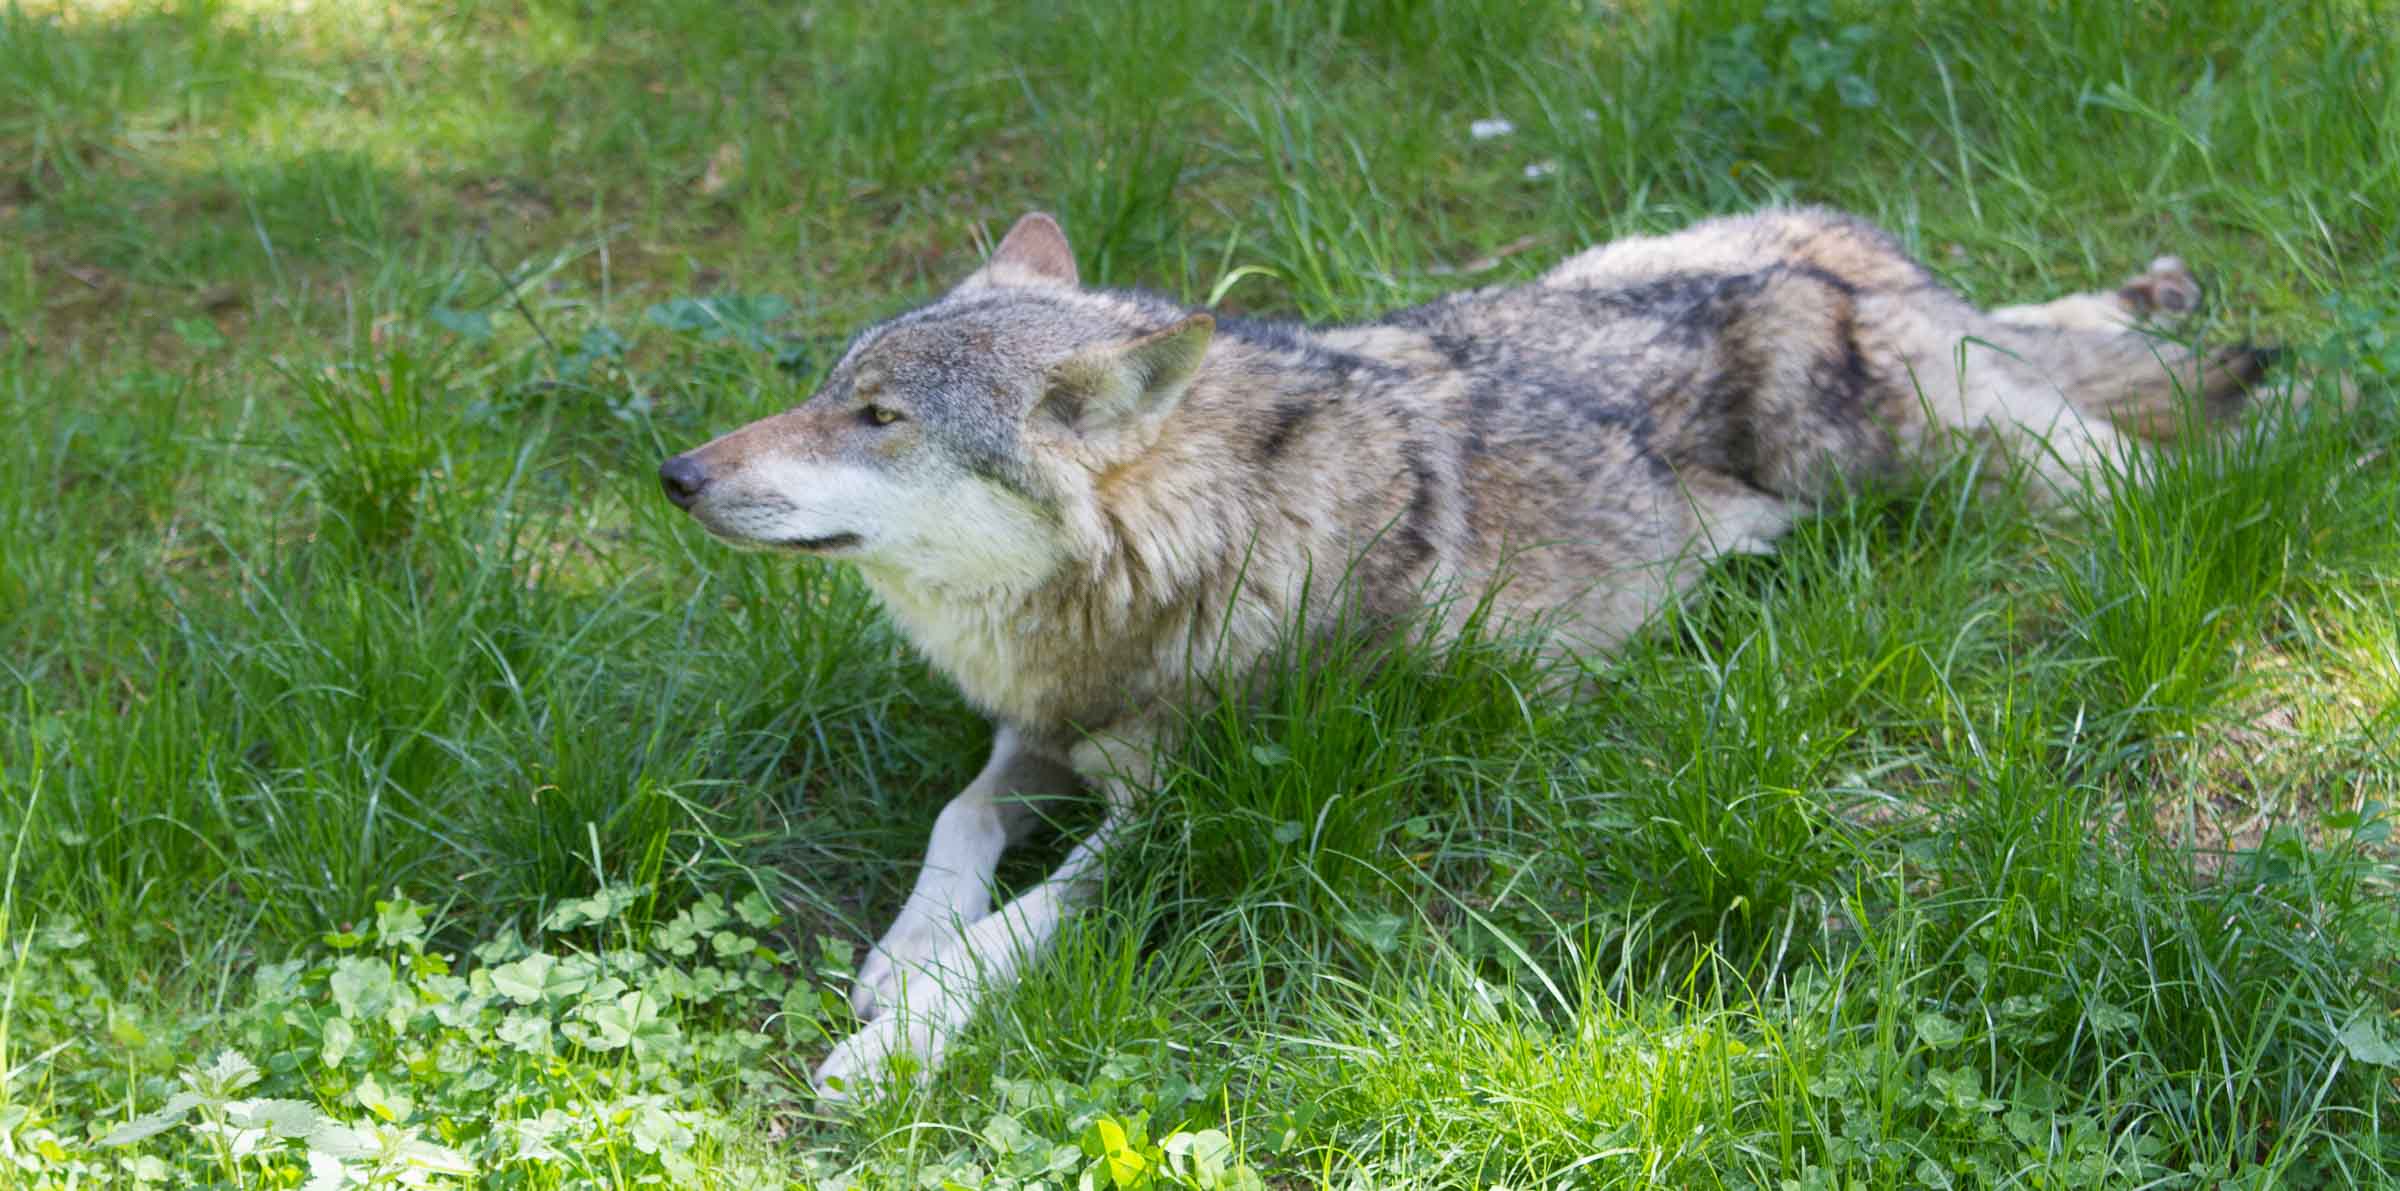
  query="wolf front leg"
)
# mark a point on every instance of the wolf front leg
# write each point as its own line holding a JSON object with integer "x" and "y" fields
{"x": 933, "y": 997}
{"x": 954, "y": 888}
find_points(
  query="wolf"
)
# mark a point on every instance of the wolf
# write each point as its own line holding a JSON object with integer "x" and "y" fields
{"x": 1081, "y": 504}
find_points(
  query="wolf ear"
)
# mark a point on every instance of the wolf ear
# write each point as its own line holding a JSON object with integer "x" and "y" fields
{"x": 1107, "y": 386}
{"x": 1034, "y": 252}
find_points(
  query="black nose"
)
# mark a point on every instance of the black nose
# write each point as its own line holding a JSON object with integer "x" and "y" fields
{"x": 683, "y": 478}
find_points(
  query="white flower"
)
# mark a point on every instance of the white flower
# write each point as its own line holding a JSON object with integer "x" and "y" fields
{"x": 1496, "y": 126}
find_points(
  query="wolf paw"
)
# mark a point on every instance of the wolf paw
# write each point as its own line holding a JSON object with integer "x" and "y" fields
{"x": 906, "y": 1043}
{"x": 2164, "y": 293}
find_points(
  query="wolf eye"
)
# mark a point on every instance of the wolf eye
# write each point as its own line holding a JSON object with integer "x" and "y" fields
{"x": 879, "y": 415}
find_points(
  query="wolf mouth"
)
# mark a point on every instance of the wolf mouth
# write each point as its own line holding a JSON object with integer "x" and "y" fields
{"x": 829, "y": 542}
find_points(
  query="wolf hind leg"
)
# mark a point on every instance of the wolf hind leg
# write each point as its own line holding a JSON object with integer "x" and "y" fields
{"x": 2157, "y": 389}
{"x": 2069, "y": 402}
{"x": 2066, "y": 397}
{"x": 2143, "y": 385}
{"x": 2164, "y": 296}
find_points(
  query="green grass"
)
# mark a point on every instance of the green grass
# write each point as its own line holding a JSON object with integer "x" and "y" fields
{"x": 364, "y": 711}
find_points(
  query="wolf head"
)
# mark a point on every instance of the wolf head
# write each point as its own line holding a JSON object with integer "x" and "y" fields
{"x": 960, "y": 444}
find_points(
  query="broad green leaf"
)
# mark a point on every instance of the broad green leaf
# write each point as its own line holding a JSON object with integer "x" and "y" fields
{"x": 657, "y": 1130}
{"x": 756, "y": 911}
{"x": 2108, "y": 1019}
{"x": 61, "y": 935}
{"x": 1203, "y": 1157}
{"x": 1939, "y": 1032}
{"x": 391, "y": 1106}
{"x": 500, "y": 949}
{"x": 527, "y": 1032}
{"x": 337, "y": 1140}
{"x": 400, "y": 923}
{"x": 229, "y": 1072}
{"x": 338, "y": 1038}
{"x": 279, "y": 1118}
{"x": 361, "y": 986}
{"x": 327, "y": 1173}
{"x": 1124, "y": 1162}
{"x": 125, "y": 1032}
{"x": 1380, "y": 932}
{"x": 2367, "y": 1042}
{"x": 278, "y": 981}
{"x": 533, "y": 979}
{"x": 534, "y": 1134}
{"x": 154, "y": 1123}
{"x": 2024, "y": 1007}
{"x": 417, "y": 1154}
{"x": 630, "y": 1020}
{"x": 610, "y": 901}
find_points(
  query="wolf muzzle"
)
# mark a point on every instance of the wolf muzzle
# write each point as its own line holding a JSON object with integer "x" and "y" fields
{"x": 682, "y": 477}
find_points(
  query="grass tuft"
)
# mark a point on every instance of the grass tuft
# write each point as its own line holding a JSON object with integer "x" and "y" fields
{"x": 398, "y": 793}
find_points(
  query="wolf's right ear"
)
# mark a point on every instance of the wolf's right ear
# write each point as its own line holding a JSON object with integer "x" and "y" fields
{"x": 1034, "y": 252}
{"x": 1104, "y": 388}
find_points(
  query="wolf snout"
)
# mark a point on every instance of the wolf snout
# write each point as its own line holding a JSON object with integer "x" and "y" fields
{"x": 683, "y": 478}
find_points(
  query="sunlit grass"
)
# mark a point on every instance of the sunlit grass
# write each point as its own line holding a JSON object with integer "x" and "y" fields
{"x": 1959, "y": 844}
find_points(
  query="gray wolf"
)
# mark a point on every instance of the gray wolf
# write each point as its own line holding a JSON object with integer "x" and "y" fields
{"x": 1080, "y": 504}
